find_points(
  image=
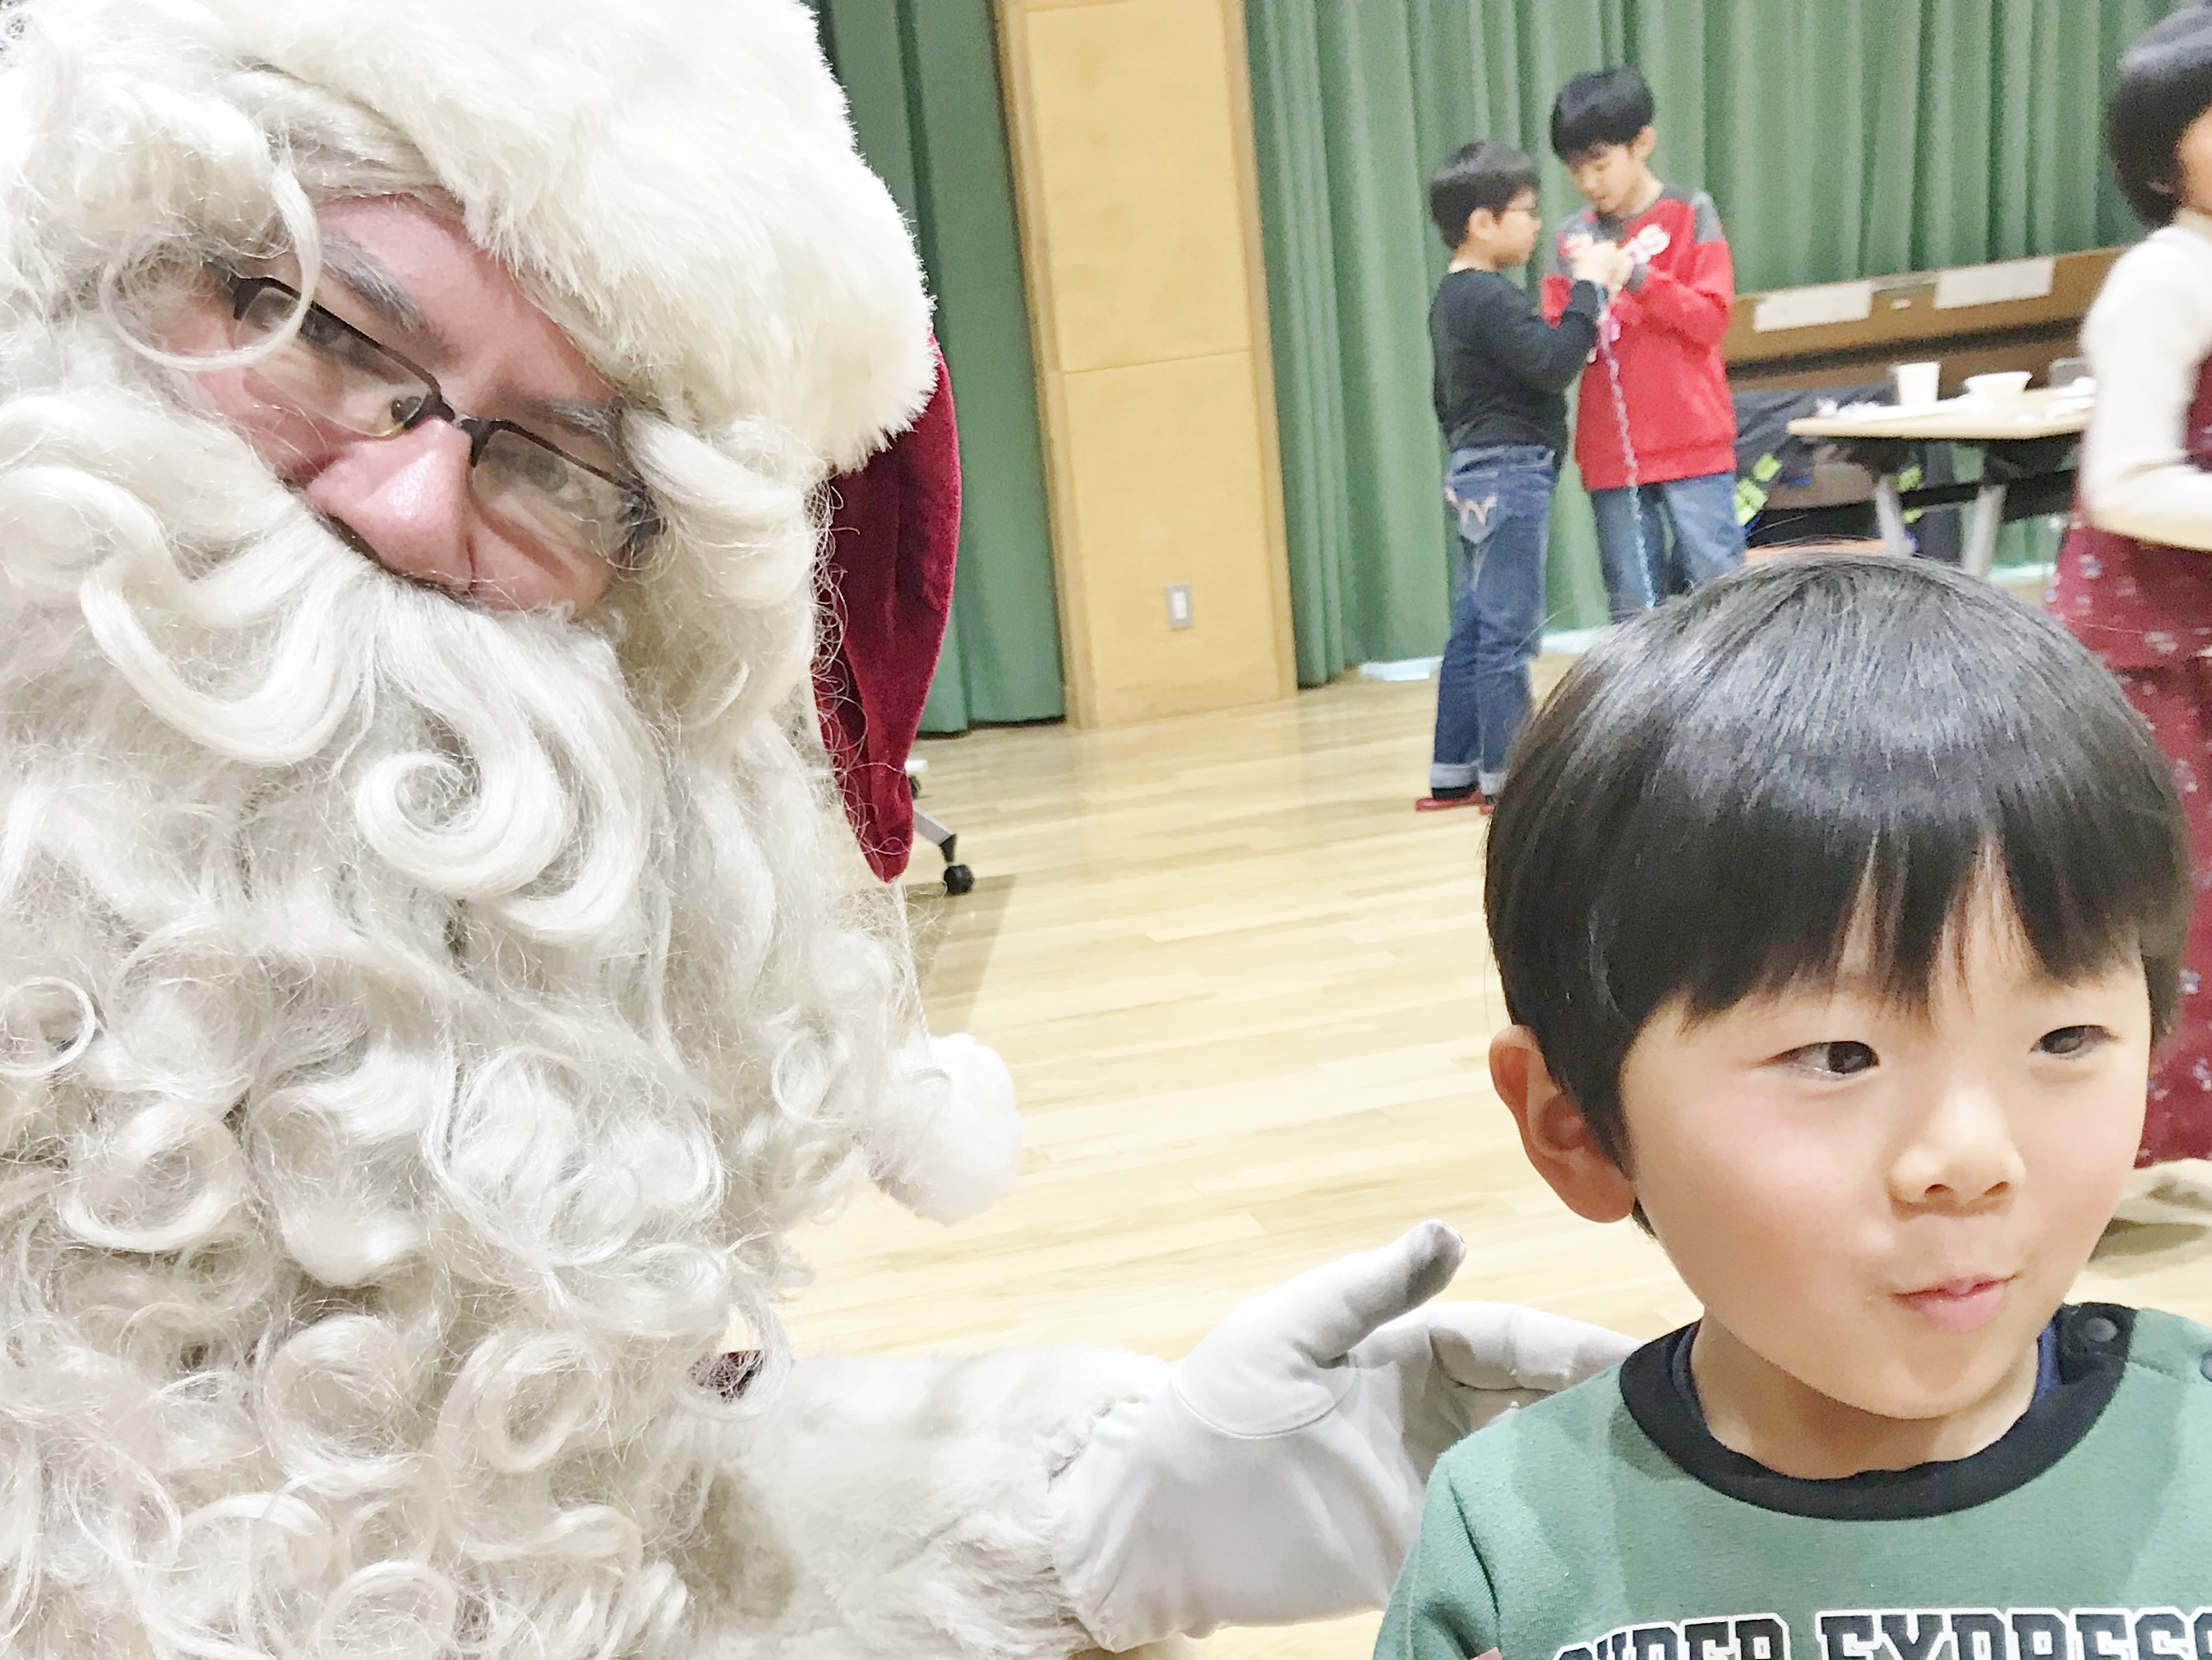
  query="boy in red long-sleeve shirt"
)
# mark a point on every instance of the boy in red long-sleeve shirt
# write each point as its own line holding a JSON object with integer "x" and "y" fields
{"x": 1655, "y": 431}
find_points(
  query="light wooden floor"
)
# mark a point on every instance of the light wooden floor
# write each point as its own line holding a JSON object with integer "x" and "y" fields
{"x": 1245, "y": 995}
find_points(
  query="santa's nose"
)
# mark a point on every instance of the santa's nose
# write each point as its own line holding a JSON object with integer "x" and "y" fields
{"x": 406, "y": 500}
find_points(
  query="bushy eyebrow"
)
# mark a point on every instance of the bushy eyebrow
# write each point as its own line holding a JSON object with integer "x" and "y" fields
{"x": 378, "y": 289}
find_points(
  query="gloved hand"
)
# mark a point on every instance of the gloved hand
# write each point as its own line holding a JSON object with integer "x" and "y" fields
{"x": 1276, "y": 1474}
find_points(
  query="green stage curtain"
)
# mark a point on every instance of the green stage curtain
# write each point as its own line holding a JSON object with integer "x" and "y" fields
{"x": 1839, "y": 138}
{"x": 923, "y": 79}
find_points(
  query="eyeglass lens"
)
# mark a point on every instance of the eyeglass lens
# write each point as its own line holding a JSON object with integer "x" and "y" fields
{"x": 337, "y": 377}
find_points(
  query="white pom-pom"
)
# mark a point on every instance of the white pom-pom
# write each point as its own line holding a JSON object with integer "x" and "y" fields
{"x": 955, "y": 1145}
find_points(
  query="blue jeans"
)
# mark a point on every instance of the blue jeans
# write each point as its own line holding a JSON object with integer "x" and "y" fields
{"x": 1706, "y": 539}
{"x": 1502, "y": 495}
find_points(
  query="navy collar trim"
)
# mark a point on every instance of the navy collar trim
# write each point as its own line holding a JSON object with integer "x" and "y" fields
{"x": 2093, "y": 1352}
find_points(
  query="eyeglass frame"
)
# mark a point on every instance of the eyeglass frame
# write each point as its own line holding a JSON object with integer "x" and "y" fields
{"x": 645, "y": 522}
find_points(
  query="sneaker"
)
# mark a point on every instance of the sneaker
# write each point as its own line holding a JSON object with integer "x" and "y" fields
{"x": 1441, "y": 800}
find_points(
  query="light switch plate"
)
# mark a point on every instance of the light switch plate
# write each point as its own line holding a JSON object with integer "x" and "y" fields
{"x": 1178, "y": 605}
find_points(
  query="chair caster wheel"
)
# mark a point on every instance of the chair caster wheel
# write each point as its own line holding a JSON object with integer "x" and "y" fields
{"x": 958, "y": 879}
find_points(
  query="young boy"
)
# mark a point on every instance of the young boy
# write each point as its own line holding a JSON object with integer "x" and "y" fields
{"x": 1501, "y": 377}
{"x": 1655, "y": 434}
{"x": 1837, "y": 909}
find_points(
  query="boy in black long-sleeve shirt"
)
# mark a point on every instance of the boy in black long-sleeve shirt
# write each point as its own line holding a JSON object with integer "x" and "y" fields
{"x": 1501, "y": 378}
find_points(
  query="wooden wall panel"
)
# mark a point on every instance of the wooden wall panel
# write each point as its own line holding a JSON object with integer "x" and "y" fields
{"x": 1140, "y": 220}
{"x": 1133, "y": 169}
{"x": 1165, "y": 479}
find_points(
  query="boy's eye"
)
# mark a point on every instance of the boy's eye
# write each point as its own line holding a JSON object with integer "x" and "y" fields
{"x": 2071, "y": 1040}
{"x": 1842, "y": 1058}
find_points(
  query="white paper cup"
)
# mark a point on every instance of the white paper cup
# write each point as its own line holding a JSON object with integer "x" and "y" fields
{"x": 1916, "y": 384}
{"x": 2005, "y": 386}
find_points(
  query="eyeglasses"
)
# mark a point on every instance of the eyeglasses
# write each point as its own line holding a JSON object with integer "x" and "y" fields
{"x": 335, "y": 376}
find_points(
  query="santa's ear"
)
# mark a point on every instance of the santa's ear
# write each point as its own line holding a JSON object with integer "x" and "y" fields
{"x": 1554, "y": 1133}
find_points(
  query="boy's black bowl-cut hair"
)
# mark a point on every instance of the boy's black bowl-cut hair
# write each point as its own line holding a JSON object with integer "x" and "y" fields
{"x": 1715, "y": 792}
{"x": 1484, "y": 174}
{"x": 1600, "y": 107}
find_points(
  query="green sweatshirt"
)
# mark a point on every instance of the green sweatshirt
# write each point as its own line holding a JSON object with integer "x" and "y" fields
{"x": 1607, "y": 1523}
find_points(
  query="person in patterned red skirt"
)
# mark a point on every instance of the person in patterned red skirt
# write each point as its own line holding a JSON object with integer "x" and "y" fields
{"x": 2134, "y": 581}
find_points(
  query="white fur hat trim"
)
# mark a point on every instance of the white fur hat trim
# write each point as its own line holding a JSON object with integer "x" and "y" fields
{"x": 675, "y": 180}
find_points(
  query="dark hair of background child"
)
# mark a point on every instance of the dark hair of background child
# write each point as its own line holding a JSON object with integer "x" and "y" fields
{"x": 1719, "y": 791}
{"x": 1598, "y": 108}
{"x": 1483, "y": 174}
{"x": 2165, "y": 83}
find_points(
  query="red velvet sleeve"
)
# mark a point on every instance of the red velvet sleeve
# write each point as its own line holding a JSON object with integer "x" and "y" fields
{"x": 1556, "y": 290}
{"x": 887, "y": 592}
{"x": 1698, "y": 307}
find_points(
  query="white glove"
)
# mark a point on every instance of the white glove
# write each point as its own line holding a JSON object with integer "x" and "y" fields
{"x": 1276, "y": 1474}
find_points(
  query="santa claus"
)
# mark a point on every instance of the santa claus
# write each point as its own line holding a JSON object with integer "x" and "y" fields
{"x": 435, "y": 977}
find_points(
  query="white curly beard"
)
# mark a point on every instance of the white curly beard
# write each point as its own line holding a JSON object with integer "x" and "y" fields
{"x": 462, "y": 1045}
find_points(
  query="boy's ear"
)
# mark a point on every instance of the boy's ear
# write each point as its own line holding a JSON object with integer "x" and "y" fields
{"x": 1480, "y": 213}
{"x": 1645, "y": 141}
{"x": 1554, "y": 1132}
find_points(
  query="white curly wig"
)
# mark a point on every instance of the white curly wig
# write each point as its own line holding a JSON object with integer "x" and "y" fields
{"x": 418, "y": 1026}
